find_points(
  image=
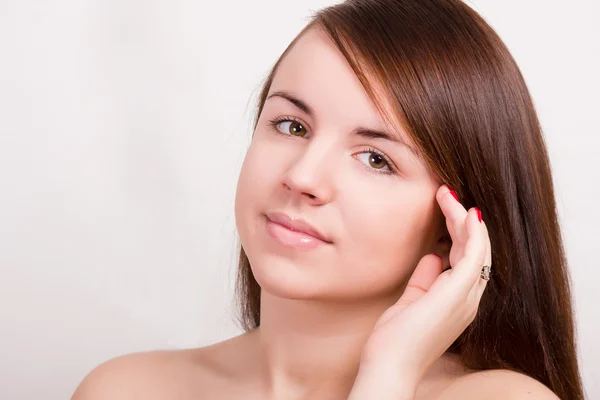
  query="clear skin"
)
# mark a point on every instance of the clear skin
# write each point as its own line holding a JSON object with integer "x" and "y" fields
{"x": 440, "y": 304}
{"x": 320, "y": 306}
{"x": 366, "y": 317}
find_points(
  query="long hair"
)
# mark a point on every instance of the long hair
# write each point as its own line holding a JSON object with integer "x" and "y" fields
{"x": 462, "y": 99}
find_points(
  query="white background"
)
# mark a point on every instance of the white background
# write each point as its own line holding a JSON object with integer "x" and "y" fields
{"x": 123, "y": 125}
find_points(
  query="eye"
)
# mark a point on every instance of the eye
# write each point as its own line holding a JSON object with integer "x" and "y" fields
{"x": 295, "y": 127}
{"x": 378, "y": 161}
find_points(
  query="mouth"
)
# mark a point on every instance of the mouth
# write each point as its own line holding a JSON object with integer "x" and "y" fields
{"x": 295, "y": 233}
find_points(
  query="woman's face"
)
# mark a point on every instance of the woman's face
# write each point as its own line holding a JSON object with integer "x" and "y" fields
{"x": 381, "y": 216}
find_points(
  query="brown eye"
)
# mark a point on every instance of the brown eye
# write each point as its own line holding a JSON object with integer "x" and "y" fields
{"x": 377, "y": 161}
{"x": 296, "y": 129}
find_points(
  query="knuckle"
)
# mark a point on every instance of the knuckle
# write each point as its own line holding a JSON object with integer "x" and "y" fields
{"x": 455, "y": 219}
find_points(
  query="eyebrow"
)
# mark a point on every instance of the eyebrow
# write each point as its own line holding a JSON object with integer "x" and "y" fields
{"x": 358, "y": 131}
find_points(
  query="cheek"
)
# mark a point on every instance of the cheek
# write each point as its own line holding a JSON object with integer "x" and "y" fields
{"x": 384, "y": 243}
{"x": 256, "y": 173}
{"x": 256, "y": 188}
{"x": 248, "y": 187}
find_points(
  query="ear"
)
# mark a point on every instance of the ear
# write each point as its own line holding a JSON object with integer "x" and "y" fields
{"x": 442, "y": 248}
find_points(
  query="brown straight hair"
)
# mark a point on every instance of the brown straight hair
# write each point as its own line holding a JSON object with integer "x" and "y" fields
{"x": 463, "y": 101}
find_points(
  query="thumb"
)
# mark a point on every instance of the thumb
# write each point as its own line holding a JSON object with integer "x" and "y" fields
{"x": 427, "y": 271}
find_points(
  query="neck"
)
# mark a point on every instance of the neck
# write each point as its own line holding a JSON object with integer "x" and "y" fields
{"x": 308, "y": 346}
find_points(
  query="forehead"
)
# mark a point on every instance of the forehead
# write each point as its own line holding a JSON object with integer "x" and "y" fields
{"x": 316, "y": 71}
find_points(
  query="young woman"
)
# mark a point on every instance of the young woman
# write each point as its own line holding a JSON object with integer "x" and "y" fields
{"x": 396, "y": 157}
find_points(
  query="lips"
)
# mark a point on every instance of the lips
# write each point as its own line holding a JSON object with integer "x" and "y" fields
{"x": 296, "y": 224}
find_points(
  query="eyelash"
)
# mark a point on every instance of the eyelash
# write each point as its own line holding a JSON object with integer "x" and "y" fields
{"x": 392, "y": 171}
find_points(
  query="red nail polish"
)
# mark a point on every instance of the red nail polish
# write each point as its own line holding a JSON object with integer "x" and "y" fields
{"x": 479, "y": 214}
{"x": 454, "y": 194}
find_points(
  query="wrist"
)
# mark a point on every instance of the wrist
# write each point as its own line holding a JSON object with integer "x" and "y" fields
{"x": 383, "y": 383}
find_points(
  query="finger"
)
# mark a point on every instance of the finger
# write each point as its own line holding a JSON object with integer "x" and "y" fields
{"x": 455, "y": 214}
{"x": 427, "y": 271}
{"x": 481, "y": 284}
{"x": 468, "y": 269}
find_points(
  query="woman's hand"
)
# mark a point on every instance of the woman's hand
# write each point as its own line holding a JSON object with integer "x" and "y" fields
{"x": 434, "y": 310}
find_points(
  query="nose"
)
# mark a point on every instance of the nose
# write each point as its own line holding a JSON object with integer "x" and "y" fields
{"x": 310, "y": 176}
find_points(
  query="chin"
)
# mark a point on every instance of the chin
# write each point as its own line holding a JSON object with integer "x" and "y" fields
{"x": 286, "y": 272}
{"x": 280, "y": 276}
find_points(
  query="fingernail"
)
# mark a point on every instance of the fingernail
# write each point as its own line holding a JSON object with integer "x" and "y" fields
{"x": 478, "y": 214}
{"x": 454, "y": 194}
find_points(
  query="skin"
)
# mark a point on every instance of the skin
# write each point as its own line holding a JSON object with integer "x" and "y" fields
{"x": 441, "y": 304}
{"x": 319, "y": 307}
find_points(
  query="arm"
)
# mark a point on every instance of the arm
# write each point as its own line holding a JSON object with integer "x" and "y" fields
{"x": 499, "y": 384}
{"x": 100, "y": 383}
{"x": 383, "y": 384}
{"x": 131, "y": 376}
{"x": 488, "y": 384}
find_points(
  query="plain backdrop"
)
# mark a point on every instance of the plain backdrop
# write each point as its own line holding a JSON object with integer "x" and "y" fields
{"x": 123, "y": 125}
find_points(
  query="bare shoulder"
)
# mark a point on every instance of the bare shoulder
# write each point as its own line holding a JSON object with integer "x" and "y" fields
{"x": 496, "y": 384}
{"x": 149, "y": 375}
